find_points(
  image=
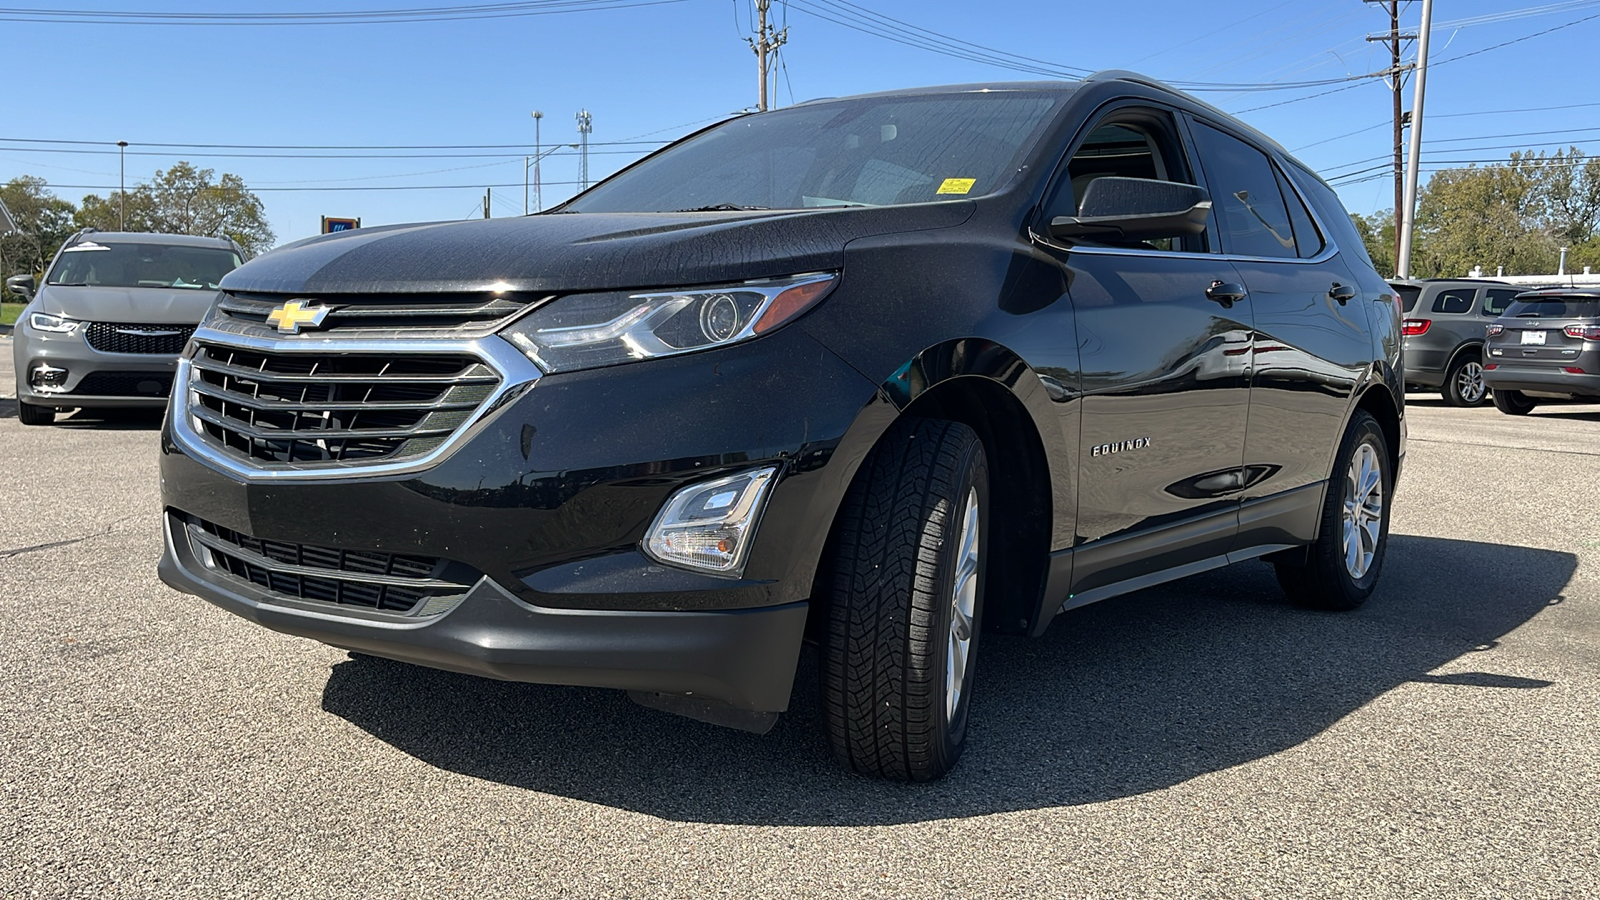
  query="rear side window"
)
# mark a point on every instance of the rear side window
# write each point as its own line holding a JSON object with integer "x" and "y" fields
{"x": 1334, "y": 217}
{"x": 1453, "y": 301}
{"x": 1408, "y": 296}
{"x": 1495, "y": 301}
{"x": 1244, "y": 192}
{"x": 1307, "y": 240}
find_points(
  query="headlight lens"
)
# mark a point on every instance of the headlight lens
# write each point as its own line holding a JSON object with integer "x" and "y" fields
{"x": 585, "y": 331}
{"x": 53, "y": 324}
{"x": 709, "y": 526}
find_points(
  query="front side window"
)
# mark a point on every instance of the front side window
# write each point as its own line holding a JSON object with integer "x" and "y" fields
{"x": 1126, "y": 144}
{"x": 865, "y": 152}
{"x": 143, "y": 265}
{"x": 1249, "y": 207}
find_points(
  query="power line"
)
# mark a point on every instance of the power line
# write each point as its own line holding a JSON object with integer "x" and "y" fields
{"x": 349, "y": 17}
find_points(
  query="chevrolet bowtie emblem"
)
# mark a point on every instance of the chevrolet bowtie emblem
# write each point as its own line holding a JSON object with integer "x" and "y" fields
{"x": 292, "y": 315}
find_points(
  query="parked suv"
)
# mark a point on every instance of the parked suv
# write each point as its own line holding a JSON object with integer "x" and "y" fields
{"x": 884, "y": 373}
{"x": 115, "y": 310}
{"x": 1545, "y": 347}
{"x": 1443, "y": 331}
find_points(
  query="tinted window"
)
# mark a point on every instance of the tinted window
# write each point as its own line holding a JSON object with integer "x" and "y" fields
{"x": 1128, "y": 144}
{"x": 1556, "y": 308}
{"x": 1408, "y": 295}
{"x": 143, "y": 265}
{"x": 1495, "y": 301}
{"x": 1307, "y": 240}
{"x": 1334, "y": 216}
{"x": 1244, "y": 190}
{"x": 866, "y": 152}
{"x": 1453, "y": 301}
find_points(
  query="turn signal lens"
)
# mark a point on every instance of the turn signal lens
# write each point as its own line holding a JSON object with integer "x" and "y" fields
{"x": 1583, "y": 332}
{"x": 709, "y": 526}
{"x": 1414, "y": 327}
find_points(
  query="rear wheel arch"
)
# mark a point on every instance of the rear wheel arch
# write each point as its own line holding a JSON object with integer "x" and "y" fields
{"x": 1380, "y": 404}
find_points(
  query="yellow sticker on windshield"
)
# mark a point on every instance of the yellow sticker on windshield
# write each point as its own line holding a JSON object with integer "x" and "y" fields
{"x": 956, "y": 185}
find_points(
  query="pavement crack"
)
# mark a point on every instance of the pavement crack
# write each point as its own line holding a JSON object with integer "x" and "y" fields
{"x": 18, "y": 551}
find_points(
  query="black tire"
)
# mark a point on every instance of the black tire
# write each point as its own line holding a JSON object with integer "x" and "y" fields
{"x": 1465, "y": 374}
{"x": 29, "y": 414}
{"x": 889, "y": 630}
{"x": 1514, "y": 403}
{"x": 1325, "y": 580}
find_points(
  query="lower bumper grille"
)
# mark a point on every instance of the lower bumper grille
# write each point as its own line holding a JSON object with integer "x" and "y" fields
{"x": 117, "y": 337}
{"x": 124, "y": 384}
{"x": 401, "y": 583}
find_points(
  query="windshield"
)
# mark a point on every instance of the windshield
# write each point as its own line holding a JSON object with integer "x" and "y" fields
{"x": 1556, "y": 308}
{"x": 143, "y": 265}
{"x": 867, "y": 152}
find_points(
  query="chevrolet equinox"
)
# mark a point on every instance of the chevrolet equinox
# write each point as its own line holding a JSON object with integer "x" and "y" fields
{"x": 883, "y": 374}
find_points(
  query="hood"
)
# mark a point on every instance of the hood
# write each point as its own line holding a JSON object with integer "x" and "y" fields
{"x": 581, "y": 251}
{"x": 131, "y": 305}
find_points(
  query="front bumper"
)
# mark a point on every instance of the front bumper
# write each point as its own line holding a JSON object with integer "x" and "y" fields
{"x": 1541, "y": 380}
{"x": 94, "y": 378}
{"x": 545, "y": 503}
{"x": 744, "y": 658}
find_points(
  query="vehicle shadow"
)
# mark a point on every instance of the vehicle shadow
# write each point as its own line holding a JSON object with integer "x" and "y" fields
{"x": 112, "y": 419}
{"x": 1123, "y": 697}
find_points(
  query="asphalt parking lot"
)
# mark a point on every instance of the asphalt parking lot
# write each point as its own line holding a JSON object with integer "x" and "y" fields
{"x": 1200, "y": 740}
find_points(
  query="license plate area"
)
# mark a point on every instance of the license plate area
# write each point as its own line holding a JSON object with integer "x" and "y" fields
{"x": 1535, "y": 338}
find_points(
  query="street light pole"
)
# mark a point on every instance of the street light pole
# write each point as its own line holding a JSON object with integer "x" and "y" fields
{"x": 538, "y": 194}
{"x": 1414, "y": 164}
{"x": 122, "y": 184}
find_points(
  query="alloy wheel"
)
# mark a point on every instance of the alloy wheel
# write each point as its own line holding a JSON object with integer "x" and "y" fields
{"x": 1469, "y": 382}
{"x": 963, "y": 602}
{"x": 1363, "y": 509}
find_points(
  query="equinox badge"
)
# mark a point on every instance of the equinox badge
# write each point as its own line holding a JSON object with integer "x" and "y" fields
{"x": 290, "y": 316}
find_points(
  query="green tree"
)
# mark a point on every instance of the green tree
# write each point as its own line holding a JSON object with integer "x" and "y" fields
{"x": 1494, "y": 216}
{"x": 44, "y": 222}
{"x": 186, "y": 200}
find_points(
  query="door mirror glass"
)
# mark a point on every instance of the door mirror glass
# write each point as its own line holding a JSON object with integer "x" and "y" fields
{"x": 21, "y": 284}
{"x": 1120, "y": 209}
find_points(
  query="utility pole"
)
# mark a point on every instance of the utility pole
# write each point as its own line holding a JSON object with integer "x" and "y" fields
{"x": 585, "y": 125}
{"x": 1396, "y": 73}
{"x": 1402, "y": 262}
{"x": 122, "y": 185}
{"x": 538, "y": 196}
{"x": 765, "y": 43}
{"x": 488, "y": 194}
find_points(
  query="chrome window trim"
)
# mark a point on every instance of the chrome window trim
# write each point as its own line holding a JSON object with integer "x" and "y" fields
{"x": 1328, "y": 252}
{"x": 517, "y": 375}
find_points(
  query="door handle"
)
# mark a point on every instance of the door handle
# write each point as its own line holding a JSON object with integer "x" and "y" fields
{"x": 1341, "y": 293}
{"x": 1225, "y": 293}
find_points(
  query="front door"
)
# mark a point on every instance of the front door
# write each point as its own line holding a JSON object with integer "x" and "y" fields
{"x": 1164, "y": 336}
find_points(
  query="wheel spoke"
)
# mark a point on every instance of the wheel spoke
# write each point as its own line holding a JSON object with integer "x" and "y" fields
{"x": 963, "y": 606}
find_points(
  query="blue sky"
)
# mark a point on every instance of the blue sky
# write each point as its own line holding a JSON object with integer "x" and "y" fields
{"x": 654, "y": 72}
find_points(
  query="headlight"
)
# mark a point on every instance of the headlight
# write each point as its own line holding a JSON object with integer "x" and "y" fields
{"x": 53, "y": 324}
{"x": 709, "y": 526}
{"x": 584, "y": 331}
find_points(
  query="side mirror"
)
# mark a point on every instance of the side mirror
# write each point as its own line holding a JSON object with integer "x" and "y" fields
{"x": 21, "y": 284}
{"x": 1135, "y": 209}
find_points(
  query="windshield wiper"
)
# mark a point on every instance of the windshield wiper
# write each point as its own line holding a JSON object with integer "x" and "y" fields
{"x": 68, "y": 283}
{"x": 722, "y": 207}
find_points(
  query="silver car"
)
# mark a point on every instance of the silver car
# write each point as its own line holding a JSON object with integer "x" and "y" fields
{"x": 1443, "y": 334}
{"x": 1546, "y": 348}
{"x": 115, "y": 310}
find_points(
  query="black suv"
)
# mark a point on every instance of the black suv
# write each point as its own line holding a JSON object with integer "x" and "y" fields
{"x": 1443, "y": 333}
{"x": 882, "y": 373}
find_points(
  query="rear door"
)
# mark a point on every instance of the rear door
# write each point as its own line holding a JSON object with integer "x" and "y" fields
{"x": 1312, "y": 341}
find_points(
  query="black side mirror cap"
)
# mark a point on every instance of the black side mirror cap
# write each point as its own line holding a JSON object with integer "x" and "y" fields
{"x": 1135, "y": 209}
{"x": 21, "y": 284}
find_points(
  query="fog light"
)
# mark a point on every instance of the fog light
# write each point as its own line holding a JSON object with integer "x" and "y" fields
{"x": 709, "y": 526}
{"x": 47, "y": 378}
